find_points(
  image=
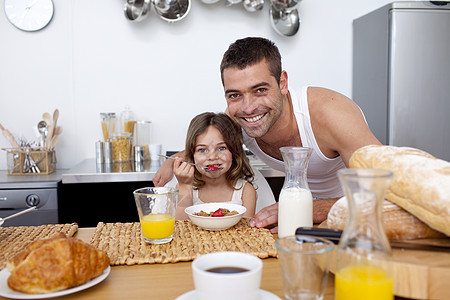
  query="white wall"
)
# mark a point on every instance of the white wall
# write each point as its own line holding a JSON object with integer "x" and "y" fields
{"x": 91, "y": 59}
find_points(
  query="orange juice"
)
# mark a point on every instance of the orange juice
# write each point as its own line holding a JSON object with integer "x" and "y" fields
{"x": 157, "y": 226}
{"x": 363, "y": 282}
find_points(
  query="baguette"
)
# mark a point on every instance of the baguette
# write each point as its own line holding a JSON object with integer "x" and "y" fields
{"x": 398, "y": 223}
{"x": 421, "y": 182}
{"x": 55, "y": 264}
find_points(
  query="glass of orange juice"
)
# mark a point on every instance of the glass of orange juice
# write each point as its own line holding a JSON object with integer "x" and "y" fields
{"x": 156, "y": 208}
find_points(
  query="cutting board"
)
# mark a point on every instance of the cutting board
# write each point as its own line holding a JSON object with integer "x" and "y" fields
{"x": 420, "y": 274}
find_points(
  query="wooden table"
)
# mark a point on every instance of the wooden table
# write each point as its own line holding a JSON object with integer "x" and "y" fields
{"x": 166, "y": 281}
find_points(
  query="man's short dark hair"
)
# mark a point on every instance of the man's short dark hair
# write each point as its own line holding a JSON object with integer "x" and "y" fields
{"x": 249, "y": 51}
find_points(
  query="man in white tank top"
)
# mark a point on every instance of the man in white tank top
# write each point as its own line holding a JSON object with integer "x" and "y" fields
{"x": 258, "y": 99}
{"x": 272, "y": 116}
{"x": 322, "y": 179}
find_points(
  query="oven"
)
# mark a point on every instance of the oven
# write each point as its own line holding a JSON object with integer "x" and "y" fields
{"x": 21, "y": 192}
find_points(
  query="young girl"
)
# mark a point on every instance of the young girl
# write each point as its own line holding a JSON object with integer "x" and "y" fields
{"x": 223, "y": 173}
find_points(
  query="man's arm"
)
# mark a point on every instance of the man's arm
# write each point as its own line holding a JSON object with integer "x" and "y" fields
{"x": 269, "y": 214}
{"x": 165, "y": 172}
{"x": 321, "y": 207}
{"x": 338, "y": 124}
{"x": 340, "y": 129}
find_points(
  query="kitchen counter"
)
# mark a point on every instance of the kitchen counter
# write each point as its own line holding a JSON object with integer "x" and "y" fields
{"x": 88, "y": 171}
{"x": 31, "y": 181}
{"x": 91, "y": 192}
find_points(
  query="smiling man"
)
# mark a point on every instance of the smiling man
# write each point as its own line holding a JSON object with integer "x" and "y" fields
{"x": 273, "y": 116}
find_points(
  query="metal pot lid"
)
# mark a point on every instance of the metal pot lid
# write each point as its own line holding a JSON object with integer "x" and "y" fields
{"x": 285, "y": 23}
{"x": 136, "y": 10}
{"x": 172, "y": 10}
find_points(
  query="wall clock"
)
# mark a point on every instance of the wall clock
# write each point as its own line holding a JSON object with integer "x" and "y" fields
{"x": 29, "y": 15}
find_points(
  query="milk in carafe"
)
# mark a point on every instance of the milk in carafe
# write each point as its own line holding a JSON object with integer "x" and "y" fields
{"x": 295, "y": 209}
{"x": 295, "y": 206}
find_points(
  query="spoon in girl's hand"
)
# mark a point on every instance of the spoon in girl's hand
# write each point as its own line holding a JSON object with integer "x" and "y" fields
{"x": 207, "y": 169}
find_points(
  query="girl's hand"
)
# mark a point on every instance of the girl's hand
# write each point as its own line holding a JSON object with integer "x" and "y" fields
{"x": 183, "y": 171}
{"x": 185, "y": 176}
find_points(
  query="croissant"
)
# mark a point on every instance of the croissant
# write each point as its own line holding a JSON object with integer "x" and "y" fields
{"x": 55, "y": 264}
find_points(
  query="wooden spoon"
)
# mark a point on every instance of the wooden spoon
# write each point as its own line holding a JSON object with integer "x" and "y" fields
{"x": 9, "y": 137}
{"x": 50, "y": 130}
{"x": 53, "y": 142}
{"x": 58, "y": 130}
{"x": 52, "y": 126}
{"x": 55, "y": 116}
{"x": 46, "y": 117}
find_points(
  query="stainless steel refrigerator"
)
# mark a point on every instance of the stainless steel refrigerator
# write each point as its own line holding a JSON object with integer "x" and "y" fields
{"x": 401, "y": 74}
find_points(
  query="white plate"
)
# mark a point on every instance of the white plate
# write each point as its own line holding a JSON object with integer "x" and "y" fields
{"x": 5, "y": 291}
{"x": 262, "y": 295}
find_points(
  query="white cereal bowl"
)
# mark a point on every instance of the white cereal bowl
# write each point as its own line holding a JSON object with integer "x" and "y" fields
{"x": 215, "y": 223}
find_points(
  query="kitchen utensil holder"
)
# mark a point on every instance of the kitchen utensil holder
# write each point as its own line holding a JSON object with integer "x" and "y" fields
{"x": 30, "y": 161}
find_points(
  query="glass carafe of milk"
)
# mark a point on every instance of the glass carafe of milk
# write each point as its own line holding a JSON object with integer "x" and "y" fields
{"x": 295, "y": 208}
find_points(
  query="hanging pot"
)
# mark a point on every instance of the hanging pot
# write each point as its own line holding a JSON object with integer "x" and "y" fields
{"x": 284, "y": 22}
{"x": 136, "y": 10}
{"x": 172, "y": 10}
{"x": 253, "y": 5}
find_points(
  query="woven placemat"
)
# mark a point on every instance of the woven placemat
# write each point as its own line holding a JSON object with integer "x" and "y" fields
{"x": 14, "y": 239}
{"x": 124, "y": 243}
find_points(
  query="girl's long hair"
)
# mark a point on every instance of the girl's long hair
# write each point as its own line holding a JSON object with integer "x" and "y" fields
{"x": 232, "y": 135}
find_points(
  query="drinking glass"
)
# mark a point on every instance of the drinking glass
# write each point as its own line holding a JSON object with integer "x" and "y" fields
{"x": 156, "y": 208}
{"x": 304, "y": 262}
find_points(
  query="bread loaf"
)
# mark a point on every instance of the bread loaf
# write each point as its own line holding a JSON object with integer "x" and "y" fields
{"x": 55, "y": 264}
{"x": 398, "y": 223}
{"x": 421, "y": 182}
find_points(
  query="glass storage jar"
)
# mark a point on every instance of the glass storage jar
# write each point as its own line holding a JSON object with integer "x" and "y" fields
{"x": 108, "y": 124}
{"x": 143, "y": 136}
{"x": 127, "y": 121}
{"x": 121, "y": 146}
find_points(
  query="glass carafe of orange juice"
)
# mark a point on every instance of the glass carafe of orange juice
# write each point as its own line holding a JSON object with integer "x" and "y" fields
{"x": 363, "y": 268}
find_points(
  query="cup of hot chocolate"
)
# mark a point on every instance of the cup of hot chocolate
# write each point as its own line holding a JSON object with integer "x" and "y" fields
{"x": 227, "y": 275}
